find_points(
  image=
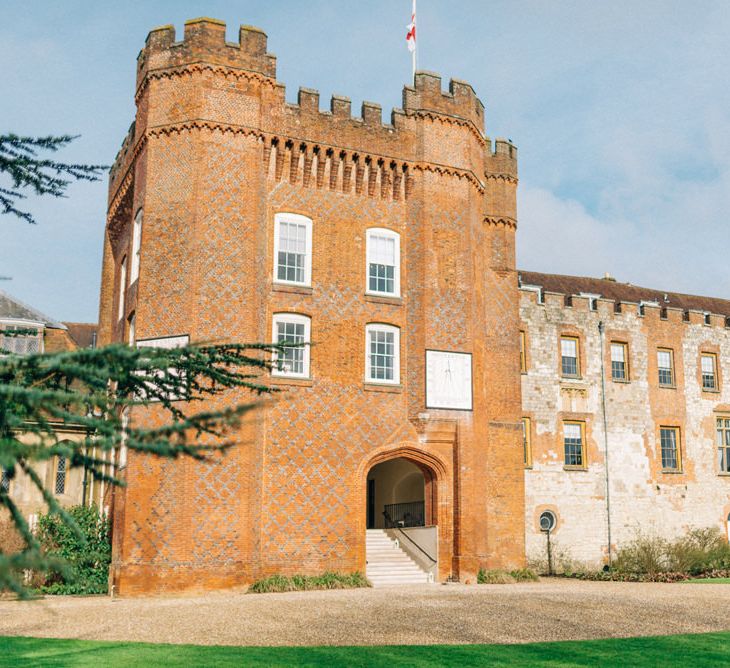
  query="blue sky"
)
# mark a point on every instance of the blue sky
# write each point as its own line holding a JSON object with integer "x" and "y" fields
{"x": 620, "y": 110}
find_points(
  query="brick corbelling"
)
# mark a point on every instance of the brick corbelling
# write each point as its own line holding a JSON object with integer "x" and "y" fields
{"x": 268, "y": 138}
{"x": 504, "y": 221}
{"x": 443, "y": 170}
{"x": 510, "y": 178}
{"x": 122, "y": 190}
{"x": 450, "y": 120}
{"x": 197, "y": 68}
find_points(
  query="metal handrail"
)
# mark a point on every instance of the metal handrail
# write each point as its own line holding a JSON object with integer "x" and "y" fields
{"x": 393, "y": 525}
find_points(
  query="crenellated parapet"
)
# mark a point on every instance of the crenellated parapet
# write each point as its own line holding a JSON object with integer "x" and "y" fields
{"x": 204, "y": 41}
{"x": 202, "y": 84}
{"x": 500, "y": 160}
{"x": 607, "y": 309}
{"x": 460, "y": 102}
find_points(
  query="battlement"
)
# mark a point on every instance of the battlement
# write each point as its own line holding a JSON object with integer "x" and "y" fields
{"x": 501, "y": 158}
{"x": 204, "y": 40}
{"x": 604, "y": 308}
{"x": 461, "y": 101}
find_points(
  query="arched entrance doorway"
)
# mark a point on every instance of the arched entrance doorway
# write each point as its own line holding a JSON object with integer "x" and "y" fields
{"x": 402, "y": 537}
{"x": 400, "y": 493}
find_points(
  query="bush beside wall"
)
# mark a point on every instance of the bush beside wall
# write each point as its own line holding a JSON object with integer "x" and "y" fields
{"x": 88, "y": 558}
{"x": 328, "y": 580}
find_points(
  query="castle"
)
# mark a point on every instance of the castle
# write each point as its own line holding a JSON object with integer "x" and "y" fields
{"x": 443, "y": 397}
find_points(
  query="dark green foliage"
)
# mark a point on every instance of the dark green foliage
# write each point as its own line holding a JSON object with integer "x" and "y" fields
{"x": 94, "y": 389}
{"x": 697, "y": 650}
{"x": 328, "y": 580}
{"x": 498, "y": 576}
{"x": 19, "y": 161}
{"x": 87, "y": 556}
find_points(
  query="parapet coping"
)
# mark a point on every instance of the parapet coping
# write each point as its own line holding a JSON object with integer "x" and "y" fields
{"x": 541, "y": 297}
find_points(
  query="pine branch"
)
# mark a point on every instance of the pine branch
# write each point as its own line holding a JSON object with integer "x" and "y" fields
{"x": 19, "y": 161}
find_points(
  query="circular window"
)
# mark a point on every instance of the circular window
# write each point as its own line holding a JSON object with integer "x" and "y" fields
{"x": 547, "y": 521}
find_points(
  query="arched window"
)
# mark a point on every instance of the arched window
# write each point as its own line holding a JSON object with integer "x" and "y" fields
{"x": 383, "y": 262}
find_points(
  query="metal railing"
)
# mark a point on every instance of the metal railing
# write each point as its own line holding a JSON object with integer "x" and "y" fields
{"x": 411, "y": 514}
{"x": 391, "y": 524}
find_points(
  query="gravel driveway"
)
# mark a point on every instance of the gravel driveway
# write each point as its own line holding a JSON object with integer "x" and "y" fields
{"x": 548, "y": 610}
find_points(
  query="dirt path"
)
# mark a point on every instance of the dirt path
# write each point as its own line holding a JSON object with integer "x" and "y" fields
{"x": 549, "y": 610}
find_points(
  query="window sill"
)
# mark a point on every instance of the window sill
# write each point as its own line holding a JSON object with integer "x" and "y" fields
{"x": 621, "y": 381}
{"x": 705, "y": 391}
{"x": 571, "y": 378}
{"x": 724, "y": 474}
{"x": 667, "y": 387}
{"x": 382, "y": 387}
{"x": 672, "y": 472}
{"x": 290, "y": 380}
{"x": 383, "y": 299}
{"x": 296, "y": 289}
{"x": 566, "y": 467}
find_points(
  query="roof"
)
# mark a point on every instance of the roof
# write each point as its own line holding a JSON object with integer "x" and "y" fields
{"x": 609, "y": 288}
{"x": 13, "y": 309}
{"x": 83, "y": 334}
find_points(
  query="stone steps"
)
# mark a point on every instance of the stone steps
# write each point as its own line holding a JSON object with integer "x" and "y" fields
{"x": 388, "y": 564}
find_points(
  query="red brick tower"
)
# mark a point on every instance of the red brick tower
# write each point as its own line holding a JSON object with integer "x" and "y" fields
{"x": 214, "y": 157}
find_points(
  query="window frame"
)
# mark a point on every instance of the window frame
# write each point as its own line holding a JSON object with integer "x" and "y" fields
{"x": 627, "y": 366}
{"x": 673, "y": 383}
{"x": 122, "y": 288}
{"x": 715, "y": 378}
{"x": 383, "y": 327}
{"x": 295, "y": 219}
{"x": 132, "y": 328}
{"x": 5, "y": 480}
{"x": 527, "y": 442}
{"x": 391, "y": 234}
{"x": 136, "y": 246}
{"x": 722, "y": 433}
{"x": 576, "y": 339}
{"x": 523, "y": 352}
{"x": 677, "y": 444}
{"x": 298, "y": 319}
{"x": 584, "y": 463}
{"x": 56, "y": 473}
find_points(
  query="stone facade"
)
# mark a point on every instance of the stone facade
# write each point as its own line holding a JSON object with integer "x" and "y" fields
{"x": 214, "y": 154}
{"x": 644, "y": 495}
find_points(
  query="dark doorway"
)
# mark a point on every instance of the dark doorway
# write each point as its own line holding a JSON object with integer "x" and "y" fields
{"x": 371, "y": 504}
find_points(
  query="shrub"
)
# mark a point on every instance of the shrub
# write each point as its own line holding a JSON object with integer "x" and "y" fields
{"x": 645, "y": 554}
{"x": 327, "y": 580}
{"x": 87, "y": 557}
{"x": 494, "y": 576}
{"x": 524, "y": 575}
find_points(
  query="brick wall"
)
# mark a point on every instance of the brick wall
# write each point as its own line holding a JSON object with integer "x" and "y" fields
{"x": 214, "y": 153}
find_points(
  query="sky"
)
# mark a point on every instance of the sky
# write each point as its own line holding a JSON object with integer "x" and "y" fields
{"x": 620, "y": 111}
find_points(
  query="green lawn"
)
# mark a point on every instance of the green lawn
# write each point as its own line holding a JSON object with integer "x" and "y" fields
{"x": 709, "y": 580}
{"x": 709, "y": 649}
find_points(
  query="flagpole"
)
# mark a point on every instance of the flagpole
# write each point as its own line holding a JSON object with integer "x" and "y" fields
{"x": 415, "y": 44}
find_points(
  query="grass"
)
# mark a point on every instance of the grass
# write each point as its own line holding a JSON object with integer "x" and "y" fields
{"x": 328, "y": 580}
{"x": 708, "y": 649}
{"x": 709, "y": 580}
{"x": 497, "y": 576}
